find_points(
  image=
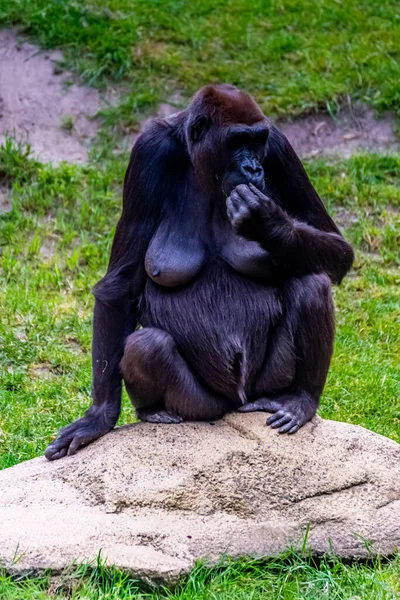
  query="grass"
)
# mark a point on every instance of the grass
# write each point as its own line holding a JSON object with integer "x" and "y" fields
{"x": 67, "y": 123}
{"x": 290, "y": 576}
{"x": 296, "y": 56}
{"x": 55, "y": 246}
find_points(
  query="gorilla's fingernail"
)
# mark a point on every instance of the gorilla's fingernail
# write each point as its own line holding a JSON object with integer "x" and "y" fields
{"x": 156, "y": 272}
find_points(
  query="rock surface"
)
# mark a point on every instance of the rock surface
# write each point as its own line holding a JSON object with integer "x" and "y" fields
{"x": 155, "y": 498}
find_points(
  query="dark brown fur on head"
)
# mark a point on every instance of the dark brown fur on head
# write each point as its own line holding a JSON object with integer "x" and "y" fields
{"x": 221, "y": 106}
{"x": 226, "y": 105}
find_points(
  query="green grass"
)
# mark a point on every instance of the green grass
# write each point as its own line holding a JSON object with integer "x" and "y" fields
{"x": 55, "y": 246}
{"x": 295, "y": 56}
{"x": 287, "y": 577}
{"x": 67, "y": 123}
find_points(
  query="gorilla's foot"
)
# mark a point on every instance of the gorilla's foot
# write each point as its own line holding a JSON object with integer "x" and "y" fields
{"x": 157, "y": 416}
{"x": 290, "y": 411}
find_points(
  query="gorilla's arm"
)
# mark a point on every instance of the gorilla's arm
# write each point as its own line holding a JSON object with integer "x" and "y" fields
{"x": 147, "y": 188}
{"x": 297, "y": 247}
{"x": 290, "y": 220}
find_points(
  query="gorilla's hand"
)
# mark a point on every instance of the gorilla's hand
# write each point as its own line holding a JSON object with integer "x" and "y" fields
{"x": 92, "y": 426}
{"x": 258, "y": 218}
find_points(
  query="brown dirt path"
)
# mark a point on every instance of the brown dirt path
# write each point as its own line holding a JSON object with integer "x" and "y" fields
{"x": 41, "y": 106}
{"x": 37, "y": 106}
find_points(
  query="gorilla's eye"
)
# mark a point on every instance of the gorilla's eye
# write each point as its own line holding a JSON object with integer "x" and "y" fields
{"x": 198, "y": 128}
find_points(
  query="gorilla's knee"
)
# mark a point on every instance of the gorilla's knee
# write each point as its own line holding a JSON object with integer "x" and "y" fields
{"x": 311, "y": 292}
{"x": 144, "y": 349}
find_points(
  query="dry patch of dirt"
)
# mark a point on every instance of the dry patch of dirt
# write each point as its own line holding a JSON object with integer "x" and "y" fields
{"x": 48, "y": 248}
{"x": 74, "y": 346}
{"x": 350, "y": 132}
{"x": 20, "y": 334}
{"x": 345, "y": 218}
{"x": 5, "y": 199}
{"x": 320, "y": 135}
{"x": 42, "y": 371}
{"x": 40, "y": 106}
{"x": 37, "y": 105}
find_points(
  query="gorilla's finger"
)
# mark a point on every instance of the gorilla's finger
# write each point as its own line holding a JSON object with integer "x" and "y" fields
{"x": 259, "y": 194}
{"x": 282, "y": 421}
{"x": 294, "y": 429}
{"x": 235, "y": 200}
{"x": 275, "y": 417}
{"x": 286, "y": 428}
{"x": 229, "y": 205}
{"x": 63, "y": 452}
{"x": 77, "y": 442}
{"x": 60, "y": 442}
{"x": 53, "y": 454}
{"x": 242, "y": 189}
{"x": 247, "y": 195}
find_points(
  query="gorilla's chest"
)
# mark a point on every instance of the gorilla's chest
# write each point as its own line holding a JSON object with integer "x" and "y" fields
{"x": 247, "y": 258}
{"x": 177, "y": 255}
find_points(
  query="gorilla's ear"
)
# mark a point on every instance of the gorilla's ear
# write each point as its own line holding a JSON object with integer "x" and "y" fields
{"x": 288, "y": 183}
{"x": 198, "y": 127}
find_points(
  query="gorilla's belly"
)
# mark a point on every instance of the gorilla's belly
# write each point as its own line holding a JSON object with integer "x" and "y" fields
{"x": 221, "y": 323}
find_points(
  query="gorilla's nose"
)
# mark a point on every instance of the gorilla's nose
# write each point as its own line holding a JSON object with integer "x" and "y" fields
{"x": 252, "y": 171}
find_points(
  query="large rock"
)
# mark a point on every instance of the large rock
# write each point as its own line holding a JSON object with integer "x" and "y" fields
{"x": 154, "y": 498}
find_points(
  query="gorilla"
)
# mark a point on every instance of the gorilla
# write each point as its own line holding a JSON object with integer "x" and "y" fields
{"x": 217, "y": 295}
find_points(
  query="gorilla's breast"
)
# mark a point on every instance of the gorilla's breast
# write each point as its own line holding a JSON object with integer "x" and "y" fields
{"x": 247, "y": 258}
{"x": 174, "y": 256}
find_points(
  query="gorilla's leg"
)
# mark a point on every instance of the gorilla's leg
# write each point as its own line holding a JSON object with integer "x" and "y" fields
{"x": 160, "y": 384}
{"x": 301, "y": 351}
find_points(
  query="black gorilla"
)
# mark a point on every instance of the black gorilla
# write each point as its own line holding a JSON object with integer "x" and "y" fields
{"x": 224, "y": 254}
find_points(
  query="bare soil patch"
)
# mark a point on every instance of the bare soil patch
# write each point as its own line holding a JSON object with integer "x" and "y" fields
{"x": 41, "y": 106}
{"x": 38, "y": 106}
{"x": 42, "y": 371}
{"x": 48, "y": 248}
{"x": 5, "y": 199}
{"x": 350, "y": 132}
{"x": 345, "y": 218}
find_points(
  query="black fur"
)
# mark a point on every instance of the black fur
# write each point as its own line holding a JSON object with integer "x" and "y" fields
{"x": 213, "y": 339}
